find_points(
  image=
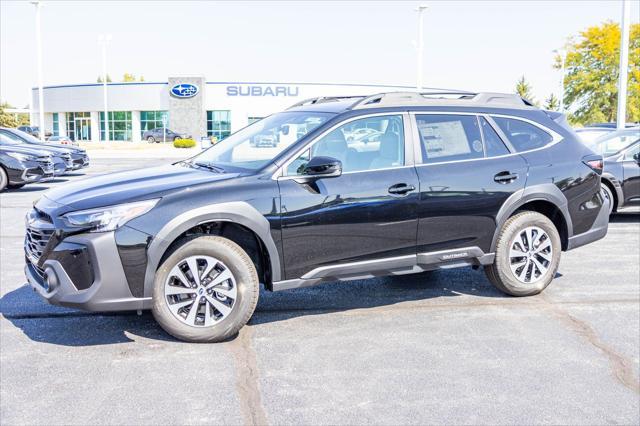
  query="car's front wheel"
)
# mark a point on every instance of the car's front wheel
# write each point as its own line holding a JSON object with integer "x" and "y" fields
{"x": 4, "y": 179}
{"x": 608, "y": 195}
{"x": 206, "y": 290}
{"x": 527, "y": 255}
{"x": 151, "y": 139}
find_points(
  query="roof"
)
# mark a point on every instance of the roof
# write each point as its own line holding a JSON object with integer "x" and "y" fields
{"x": 400, "y": 99}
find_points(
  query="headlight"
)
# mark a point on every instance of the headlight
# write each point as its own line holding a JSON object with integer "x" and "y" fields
{"x": 108, "y": 218}
{"x": 21, "y": 157}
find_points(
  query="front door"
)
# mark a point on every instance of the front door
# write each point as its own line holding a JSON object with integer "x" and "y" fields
{"x": 464, "y": 180}
{"x": 83, "y": 129}
{"x": 631, "y": 174}
{"x": 366, "y": 214}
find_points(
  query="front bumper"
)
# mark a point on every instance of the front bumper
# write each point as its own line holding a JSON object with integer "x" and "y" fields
{"x": 105, "y": 288}
{"x": 597, "y": 231}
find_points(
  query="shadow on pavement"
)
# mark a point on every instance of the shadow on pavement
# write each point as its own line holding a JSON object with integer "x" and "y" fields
{"x": 33, "y": 187}
{"x": 60, "y": 326}
{"x": 625, "y": 217}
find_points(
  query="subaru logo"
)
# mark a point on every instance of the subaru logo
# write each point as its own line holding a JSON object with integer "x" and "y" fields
{"x": 184, "y": 90}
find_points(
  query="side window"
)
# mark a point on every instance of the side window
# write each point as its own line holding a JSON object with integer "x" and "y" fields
{"x": 365, "y": 144}
{"x": 631, "y": 153}
{"x": 522, "y": 135}
{"x": 449, "y": 137}
{"x": 493, "y": 145}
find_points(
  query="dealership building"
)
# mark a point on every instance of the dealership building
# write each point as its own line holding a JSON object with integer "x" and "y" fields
{"x": 187, "y": 105}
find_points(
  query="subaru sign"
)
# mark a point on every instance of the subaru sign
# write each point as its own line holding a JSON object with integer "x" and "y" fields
{"x": 251, "y": 90}
{"x": 184, "y": 90}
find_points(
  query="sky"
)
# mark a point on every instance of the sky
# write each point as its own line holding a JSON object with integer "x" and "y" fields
{"x": 469, "y": 45}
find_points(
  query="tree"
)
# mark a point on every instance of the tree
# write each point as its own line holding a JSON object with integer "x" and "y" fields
{"x": 523, "y": 88}
{"x": 6, "y": 119}
{"x": 108, "y": 79}
{"x": 127, "y": 77}
{"x": 591, "y": 74}
{"x": 552, "y": 103}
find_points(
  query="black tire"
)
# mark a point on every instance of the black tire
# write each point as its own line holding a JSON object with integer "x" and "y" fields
{"x": 247, "y": 285}
{"x": 608, "y": 193}
{"x": 500, "y": 273}
{"x": 151, "y": 139}
{"x": 4, "y": 179}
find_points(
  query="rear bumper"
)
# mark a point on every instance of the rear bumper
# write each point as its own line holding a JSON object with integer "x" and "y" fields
{"x": 107, "y": 290}
{"x": 597, "y": 231}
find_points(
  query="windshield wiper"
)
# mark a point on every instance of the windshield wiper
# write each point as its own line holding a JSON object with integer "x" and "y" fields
{"x": 209, "y": 166}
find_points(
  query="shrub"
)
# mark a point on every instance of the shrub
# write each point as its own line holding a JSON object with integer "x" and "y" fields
{"x": 184, "y": 143}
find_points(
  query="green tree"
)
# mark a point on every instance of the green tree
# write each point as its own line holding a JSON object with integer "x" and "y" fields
{"x": 6, "y": 119}
{"x": 552, "y": 103}
{"x": 108, "y": 79}
{"x": 591, "y": 74}
{"x": 523, "y": 88}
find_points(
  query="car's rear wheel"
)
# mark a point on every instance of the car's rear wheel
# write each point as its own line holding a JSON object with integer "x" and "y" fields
{"x": 151, "y": 139}
{"x": 4, "y": 179}
{"x": 608, "y": 195}
{"x": 527, "y": 255}
{"x": 206, "y": 290}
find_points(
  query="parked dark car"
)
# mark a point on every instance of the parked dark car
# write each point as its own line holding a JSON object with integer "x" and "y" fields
{"x": 66, "y": 158}
{"x": 481, "y": 179}
{"x": 34, "y": 131}
{"x": 621, "y": 175}
{"x": 20, "y": 165}
{"x": 62, "y": 140}
{"x": 162, "y": 135}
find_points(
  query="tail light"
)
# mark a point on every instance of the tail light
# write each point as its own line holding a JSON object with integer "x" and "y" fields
{"x": 594, "y": 162}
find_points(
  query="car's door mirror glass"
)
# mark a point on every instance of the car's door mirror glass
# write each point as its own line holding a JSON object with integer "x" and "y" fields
{"x": 322, "y": 167}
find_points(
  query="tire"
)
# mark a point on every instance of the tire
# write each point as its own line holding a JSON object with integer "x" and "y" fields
{"x": 4, "y": 179}
{"x": 608, "y": 194}
{"x": 504, "y": 273}
{"x": 151, "y": 139}
{"x": 243, "y": 284}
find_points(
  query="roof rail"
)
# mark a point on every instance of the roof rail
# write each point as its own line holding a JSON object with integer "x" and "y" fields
{"x": 452, "y": 97}
{"x": 322, "y": 99}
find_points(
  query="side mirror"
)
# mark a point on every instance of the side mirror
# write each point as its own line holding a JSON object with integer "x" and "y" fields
{"x": 322, "y": 167}
{"x": 636, "y": 157}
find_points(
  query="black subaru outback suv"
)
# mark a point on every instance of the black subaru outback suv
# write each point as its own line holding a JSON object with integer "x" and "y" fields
{"x": 448, "y": 180}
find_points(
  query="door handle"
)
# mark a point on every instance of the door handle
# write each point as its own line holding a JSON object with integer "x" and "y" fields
{"x": 505, "y": 177}
{"x": 401, "y": 189}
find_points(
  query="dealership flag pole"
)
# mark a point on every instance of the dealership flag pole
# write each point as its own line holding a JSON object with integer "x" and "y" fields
{"x": 621, "y": 117}
{"x": 420, "y": 9}
{"x": 104, "y": 40}
{"x": 38, "y": 5}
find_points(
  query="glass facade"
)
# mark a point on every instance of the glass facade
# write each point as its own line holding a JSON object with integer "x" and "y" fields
{"x": 79, "y": 126}
{"x": 119, "y": 126}
{"x": 219, "y": 124}
{"x": 152, "y": 120}
{"x": 56, "y": 125}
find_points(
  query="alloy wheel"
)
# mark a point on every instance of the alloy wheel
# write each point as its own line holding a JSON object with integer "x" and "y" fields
{"x": 200, "y": 291}
{"x": 530, "y": 255}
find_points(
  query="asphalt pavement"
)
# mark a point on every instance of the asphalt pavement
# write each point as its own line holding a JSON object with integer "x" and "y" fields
{"x": 442, "y": 347}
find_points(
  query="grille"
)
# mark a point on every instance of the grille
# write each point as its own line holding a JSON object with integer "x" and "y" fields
{"x": 45, "y": 162}
{"x": 35, "y": 242}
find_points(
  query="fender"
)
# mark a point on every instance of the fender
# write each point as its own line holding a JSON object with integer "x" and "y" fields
{"x": 545, "y": 192}
{"x": 616, "y": 187}
{"x": 238, "y": 212}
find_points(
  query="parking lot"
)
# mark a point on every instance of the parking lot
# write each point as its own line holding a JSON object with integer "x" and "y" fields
{"x": 440, "y": 347}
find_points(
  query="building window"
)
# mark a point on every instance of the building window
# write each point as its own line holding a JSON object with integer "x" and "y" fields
{"x": 119, "y": 126}
{"x": 150, "y": 120}
{"x": 79, "y": 126}
{"x": 56, "y": 125}
{"x": 219, "y": 124}
{"x": 254, "y": 119}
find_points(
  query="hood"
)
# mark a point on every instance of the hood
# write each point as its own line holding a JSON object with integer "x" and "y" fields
{"x": 133, "y": 185}
{"x": 23, "y": 149}
{"x": 50, "y": 148}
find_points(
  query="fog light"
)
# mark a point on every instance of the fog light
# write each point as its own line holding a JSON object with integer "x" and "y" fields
{"x": 50, "y": 280}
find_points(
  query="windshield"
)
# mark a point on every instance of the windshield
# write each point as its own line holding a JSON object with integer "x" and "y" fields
{"x": 10, "y": 139}
{"x": 26, "y": 137}
{"x": 614, "y": 142}
{"x": 259, "y": 143}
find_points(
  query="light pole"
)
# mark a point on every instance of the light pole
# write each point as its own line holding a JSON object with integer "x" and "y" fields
{"x": 104, "y": 40}
{"x": 621, "y": 116}
{"x": 420, "y": 9}
{"x": 38, "y": 6}
{"x": 563, "y": 55}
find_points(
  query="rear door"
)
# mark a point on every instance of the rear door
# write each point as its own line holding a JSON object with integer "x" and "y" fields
{"x": 466, "y": 173}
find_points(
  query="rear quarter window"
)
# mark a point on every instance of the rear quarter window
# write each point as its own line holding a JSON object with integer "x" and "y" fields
{"x": 522, "y": 135}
